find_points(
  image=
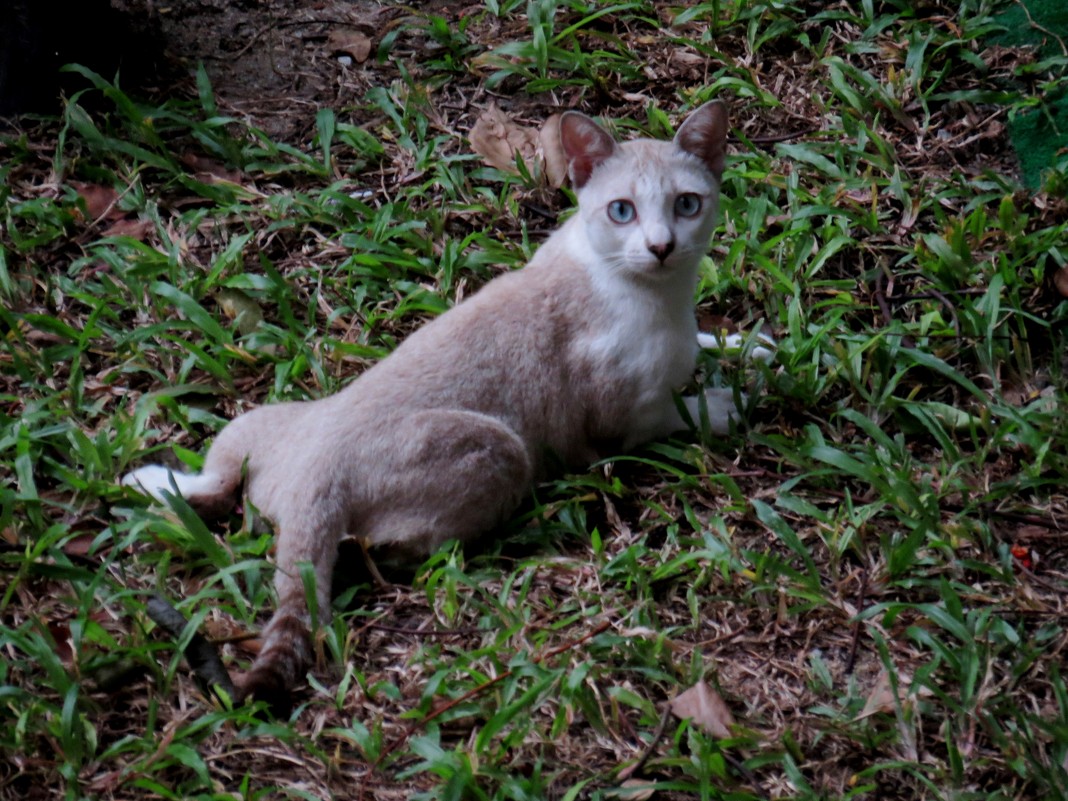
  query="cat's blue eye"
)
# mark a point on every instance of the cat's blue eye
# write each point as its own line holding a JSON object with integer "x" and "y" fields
{"x": 688, "y": 204}
{"x": 621, "y": 211}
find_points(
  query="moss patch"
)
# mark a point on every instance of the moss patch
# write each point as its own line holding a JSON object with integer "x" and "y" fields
{"x": 1039, "y": 136}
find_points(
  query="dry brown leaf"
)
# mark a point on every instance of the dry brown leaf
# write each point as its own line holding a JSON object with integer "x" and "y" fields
{"x": 242, "y": 309}
{"x": 135, "y": 229}
{"x": 909, "y": 215}
{"x": 881, "y": 698}
{"x": 350, "y": 42}
{"x": 9, "y": 535}
{"x": 552, "y": 152}
{"x": 1060, "y": 280}
{"x": 100, "y": 201}
{"x": 688, "y": 59}
{"x": 210, "y": 171}
{"x": 79, "y": 545}
{"x": 60, "y": 631}
{"x": 497, "y": 139}
{"x": 705, "y": 707}
{"x": 633, "y": 790}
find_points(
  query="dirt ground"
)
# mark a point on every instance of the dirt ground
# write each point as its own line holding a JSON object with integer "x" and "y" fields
{"x": 272, "y": 63}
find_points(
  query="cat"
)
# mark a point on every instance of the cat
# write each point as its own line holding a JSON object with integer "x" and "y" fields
{"x": 574, "y": 357}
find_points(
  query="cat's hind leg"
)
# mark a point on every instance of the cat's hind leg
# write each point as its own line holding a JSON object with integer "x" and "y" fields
{"x": 309, "y": 528}
{"x": 434, "y": 476}
{"x": 453, "y": 474}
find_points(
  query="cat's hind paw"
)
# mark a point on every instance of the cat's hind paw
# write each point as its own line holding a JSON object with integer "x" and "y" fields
{"x": 763, "y": 348}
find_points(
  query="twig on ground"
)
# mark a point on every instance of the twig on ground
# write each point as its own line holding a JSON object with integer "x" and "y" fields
{"x": 658, "y": 735}
{"x": 851, "y": 661}
{"x": 200, "y": 653}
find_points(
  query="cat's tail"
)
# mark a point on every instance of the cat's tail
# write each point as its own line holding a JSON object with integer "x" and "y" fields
{"x": 214, "y": 491}
{"x": 210, "y": 494}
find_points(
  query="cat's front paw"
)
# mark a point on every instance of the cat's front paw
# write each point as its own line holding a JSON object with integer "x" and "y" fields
{"x": 718, "y": 408}
{"x": 722, "y": 410}
{"x": 763, "y": 348}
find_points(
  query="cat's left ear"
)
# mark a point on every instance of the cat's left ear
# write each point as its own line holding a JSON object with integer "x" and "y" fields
{"x": 586, "y": 145}
{"x": 704, "y": 134}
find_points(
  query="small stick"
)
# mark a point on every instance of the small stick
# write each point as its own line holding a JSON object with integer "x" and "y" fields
{"x": 771, "y": 140}
{"x": 200, "y": 653}
{"x": 658, "y": 735}
{"x": 1036, "y": 26}
{"x": 427, "y": 632}
{"x": 851, "y": 662}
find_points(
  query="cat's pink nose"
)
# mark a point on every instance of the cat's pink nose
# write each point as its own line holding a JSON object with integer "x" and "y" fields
{"x": 662, "y": 250}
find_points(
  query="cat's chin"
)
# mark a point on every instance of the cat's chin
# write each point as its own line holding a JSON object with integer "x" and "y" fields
{"x": 656, "y": 269}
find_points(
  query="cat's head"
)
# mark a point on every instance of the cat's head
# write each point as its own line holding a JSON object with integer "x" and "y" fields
{"x": 648, "y": 207}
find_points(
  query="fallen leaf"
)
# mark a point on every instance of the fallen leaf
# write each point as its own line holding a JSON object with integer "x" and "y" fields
{"x": 210, "y": 171}
{"x": 79, "y": 545}
{"x": 135, "y": 229}
{"x": 60, "y": 632}
{"x": 1060, "y": 280}
{"x": 715, "y": 323}
{"x": 863, "y": 196}
{"x": 498, "y": 140}
{"x": 350, "y": 42}
{"x": 633, "y": 790}
{"x": 688, "y": 59}
{"x": 224, "y": 629}
{"x": 486, "y": 61}
{"x": 101, "y": 202}
{"x": 551, "y": 150}
{"x": 909, "y": 215}
{"x": 705, "y": 707}
{"x": 882, "y": 699}
{"x": 242, "y": 309}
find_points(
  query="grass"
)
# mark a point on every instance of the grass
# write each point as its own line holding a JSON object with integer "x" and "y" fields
{"x": 872, "y": 575}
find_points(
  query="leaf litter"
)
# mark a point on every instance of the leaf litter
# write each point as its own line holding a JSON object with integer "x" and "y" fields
{"x": 761, "y": 640}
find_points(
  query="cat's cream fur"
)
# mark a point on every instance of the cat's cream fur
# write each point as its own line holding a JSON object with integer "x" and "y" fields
{"x": 573, "y": 357}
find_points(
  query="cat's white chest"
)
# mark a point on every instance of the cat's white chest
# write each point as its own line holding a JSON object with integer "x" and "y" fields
{"x": 646, "y": 346}
{"x": 651, "y": 351}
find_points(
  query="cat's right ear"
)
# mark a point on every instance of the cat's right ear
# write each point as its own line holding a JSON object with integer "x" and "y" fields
{"x": 586, "y": 145}
{"x": 704, "y": 134}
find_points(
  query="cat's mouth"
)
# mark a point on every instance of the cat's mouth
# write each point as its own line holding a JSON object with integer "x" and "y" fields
{"x": 653, "y": 266}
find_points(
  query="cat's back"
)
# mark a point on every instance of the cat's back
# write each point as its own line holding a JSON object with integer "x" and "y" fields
{"x": 502, "y": 346}
{"x": 526, "y": 314}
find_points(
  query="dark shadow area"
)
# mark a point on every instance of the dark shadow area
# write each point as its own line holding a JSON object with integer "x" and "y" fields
{"x": 38, "y": 37}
